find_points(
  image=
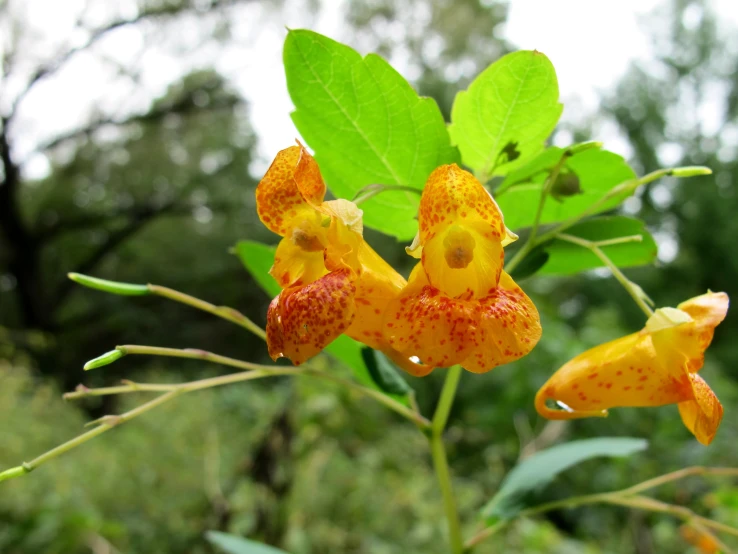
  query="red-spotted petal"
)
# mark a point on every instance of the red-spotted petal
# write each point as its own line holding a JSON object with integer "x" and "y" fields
{"x": 454, "y": 196}
{"x": 623, "y": 372}
{"x": 509, "y": 327}
{"x": 313, "y": 316}
{"x": 275, "y": 339}
{"x": 291, "y": 190}
{"x": 461, "y": 232}
{"x": 426, "y": 323}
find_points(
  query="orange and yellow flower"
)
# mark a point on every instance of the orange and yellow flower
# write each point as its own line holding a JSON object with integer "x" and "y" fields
{"x": 656, "y": 366}
{"x": 459, "y": 306}
{"x": 333, "y": 281}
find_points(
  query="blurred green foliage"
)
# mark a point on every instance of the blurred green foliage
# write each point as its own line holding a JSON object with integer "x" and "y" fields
{"x": 305, "y": 465}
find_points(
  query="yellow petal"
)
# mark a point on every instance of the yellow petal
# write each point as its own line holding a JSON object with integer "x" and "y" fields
{"x": 306, "y": 319}
{"x": 423, "y": 322}
{"x": 462, "y": 263}
{"x": 294, "y": 266}
{"x": 412, "y": 367}
{"x": 462, "y": 232}
{"x": 508, "y": 329}
{"x": 291, "y": 189}
{"x": 703, "y": 414}
{"x": 378, "y": 283}
{"x": 344, "y": 239}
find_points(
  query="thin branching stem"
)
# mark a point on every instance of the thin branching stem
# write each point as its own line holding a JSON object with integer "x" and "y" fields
{"x": 253, "y": 371}
{"x": 628, "y": 497}
{"x": 631, "y": 288}
{"x": 545, "y": 190}
{"x": 224, "y": 312}
{"x": 618, "y": 192}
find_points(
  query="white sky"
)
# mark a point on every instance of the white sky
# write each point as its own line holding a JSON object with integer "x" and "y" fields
{"x": 591, "y": 44}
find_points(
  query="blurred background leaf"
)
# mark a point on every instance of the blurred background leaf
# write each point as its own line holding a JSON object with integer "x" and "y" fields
{"x": 532, "y": 474}
{"x": 231, "y": 544}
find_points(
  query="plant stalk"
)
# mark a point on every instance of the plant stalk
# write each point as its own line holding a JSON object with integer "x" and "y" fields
{"x": 440, "y": 459}
{"x": 224, "y": 312}
{"x": 631, "y": 288}
{"x": 630, "y": 498}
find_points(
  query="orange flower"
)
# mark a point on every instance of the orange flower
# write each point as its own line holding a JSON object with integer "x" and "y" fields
{"x": 656, "y": 366}
{"x": 459, "y": 306}
{"x": 333, "y": 281}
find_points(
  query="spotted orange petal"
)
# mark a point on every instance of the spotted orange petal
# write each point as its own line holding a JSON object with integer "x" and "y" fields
{"x": 462, "y": 232}
{"x": 426, "y": 323}
{"x": 274, "y": 336}
{"x": 291, "y": 190}
{"x": 307, "y": 319}
{"x": 707, "y": 311}
{"x": 703, "y": 414}
{"x": 623, "y": 372}
{"x": 509, "y": 327}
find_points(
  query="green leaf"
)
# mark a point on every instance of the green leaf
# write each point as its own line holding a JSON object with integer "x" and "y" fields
{"x": 258, "y": 259}
{"x": 384, "y": 373}
{"x": 531, "y": 264}
{"x": 507, "y": 113}
{"x": 534, "y": 473}
{"x": 113, "y": 287}
{"x": 232, "y": 544}
{"x": 598, "y": 171}
{"x": 366, "y": 125}
{"x": 566, "y": 258}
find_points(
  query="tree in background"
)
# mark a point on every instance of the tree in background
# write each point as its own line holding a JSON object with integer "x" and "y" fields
{"x": 142, "y": 185}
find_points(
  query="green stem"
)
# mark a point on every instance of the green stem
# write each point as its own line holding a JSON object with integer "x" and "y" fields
{"x": 370, "y": 191}
{"x": 440, "y": 463}
{"x": 446, "y": 401}
{"x": 253, "y": 371}
{"x": 623, "y": 189}
{"x": 105, "y": 426}
{"x": 130, "y": 289}
{"x": 196, "y": 354}
{"x": 191, "y": 353}
{"x": 545, "y": 190}
{"x": 224, "y": 312}
{"x": 618, "y": 240}
{"x": 634, "y": 290}
{"x": 680, "y": 474}
{"x": 440, "y": 460}
{"x": 627, "y": 188}
{"x": 628, "y": 497}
